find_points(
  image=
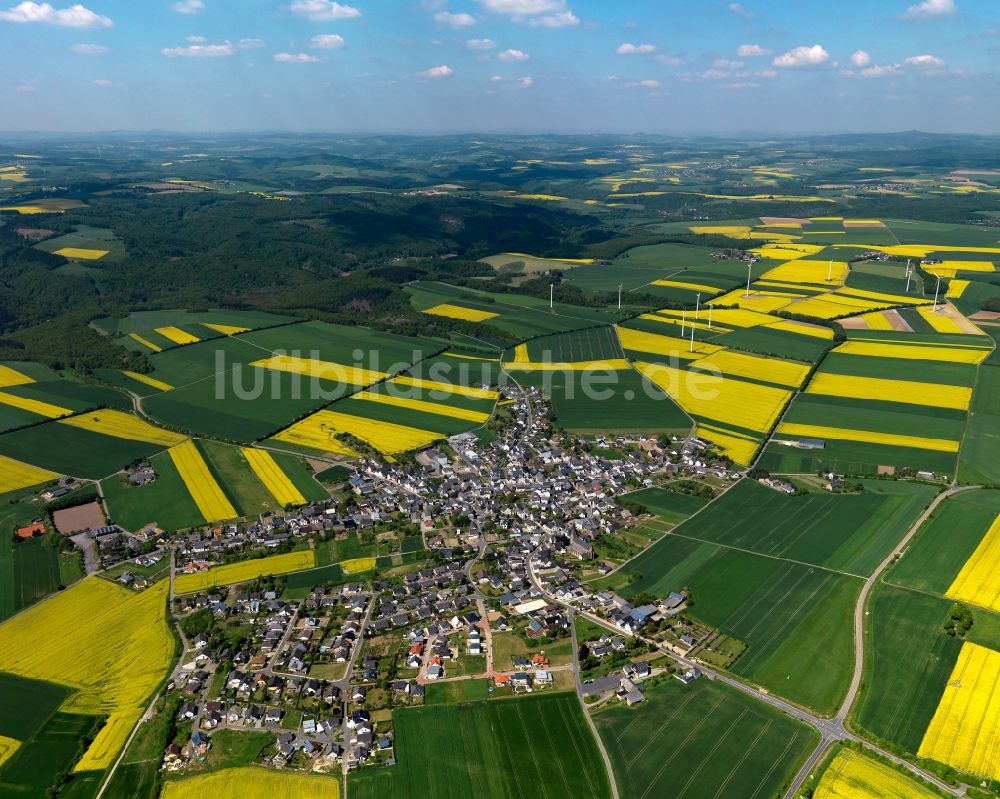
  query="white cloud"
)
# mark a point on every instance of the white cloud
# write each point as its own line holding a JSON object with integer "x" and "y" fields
{"x": 725, "y": 63}
{"x": 88, "y": 49}
{"x": 627, "y": 48}
{"x": 739, "y": 10}
{"x": 250, "y": 44}
{"x": 669, "y": 60}
{"x": 766, "y": 73}
{"x": 195, "y": 39}
{"x": 931, "y": 8}
{"x": 860, "y": 58}
{"x": 496, "y": 79}
{"x": 479, "y": 44}
{"x": 802, "y": 57}
{"x": 455, "y": 20}
{"x": 564, "y": 19}
{"x": 102, "y": 82}
{"x": 436, "y": 72}
{"x": 513, "y": 55}
{"x": 538, "y": 13}
{"x": 323, "y": 10}
{"x": 649, "y": 83}
{"x": 27, "y": 86}
{"x": 76, "y": 16}
{"x": 752, "y": 50}
{"x": 327, "y": 41}
{"x": 526, "y": 82}
{"x": 222, "y": 50}
{"x": 880, "y": 70}
{"x": 188, "y": 6}
{"x": 924, "y": 62}
{"x": 296, "y": 58}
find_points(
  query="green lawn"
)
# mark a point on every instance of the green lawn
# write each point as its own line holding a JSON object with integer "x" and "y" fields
{"x": 702, "y": 741}
{"x": 668, "y": 505}
{"x": 531, "y": 746}
{"x": 165, "y": 502}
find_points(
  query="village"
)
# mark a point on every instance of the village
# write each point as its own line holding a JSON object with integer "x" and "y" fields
{"x": 509, "y": 528}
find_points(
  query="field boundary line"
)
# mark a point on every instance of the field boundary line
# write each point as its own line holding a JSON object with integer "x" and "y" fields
{"x": 742, "y": 760}
{"x": 759, "y": 554}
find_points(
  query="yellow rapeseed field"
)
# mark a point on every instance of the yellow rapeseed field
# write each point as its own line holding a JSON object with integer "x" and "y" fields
{"x": 851, "y": 775}
{"x": 46, "y": 409}
{"x": 979, "y": 580}
{"x": 251, "y": 782}
{"x": 81, "y": 253}
{"x": 732, "y": 231}
{"x": 876, "y": 320}
{"x": 245, "y": 570}
{"x": 12, "y": 377}
{"x": 112, "y": 645}
{"x": 273, "y": 477}
{"x": 786, "y": 252}
{"x": 829, "y": 306}
{"x": 866, "y": 437}
{"x": 770, "y": 370}
{"x": 802, "y": 328}
{"x": 739, "y": 447}
{"x": 325, "y": 370}
{"x": 212, "y": 502}
{"x": 176, "y": 335}
{"x": 720, "y": 399}
{"x": 721, "y": 317}
{"x": 805, "y": 270}
{"x": 470, "y": 392}
{"x": 357, "y": 565}
{"x": 462, "y": 357}
{"x": 918, "y": 352}
{"x": 668, "y": 346}
{"x": 8, "y": 746}
{"x": 521, "y": 354}
{"x": 441, "y": 409}
{"x": 956, "y": 288}
{"x": 965, "y": 730}
{"x": 936, "y": 395}
{"x": 682, "y": 284}
{"x": 318, "y": 431}
{"x": 459, "y": 312}
{"x": 939, "y": 320}
{"x": 760, "y": 301}
{"x": 149, "y": 381}
{"x": 123, "y": 425}
{"x": 15, "y": 475}
{"x": 226, "y": 330}
{"x": 145, "y": 342}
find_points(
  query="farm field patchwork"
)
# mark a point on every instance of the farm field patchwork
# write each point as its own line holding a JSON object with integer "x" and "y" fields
{"x": 207, "y": 494}
{"x": 319, "y": 431}
{"x": 704, "y": 739}
{"x": 492, "y": 749}
{"x": 109, "y": 644}
{"x": 273, "y": 477}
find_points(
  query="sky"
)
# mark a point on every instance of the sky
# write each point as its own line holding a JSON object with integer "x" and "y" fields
{"x": 518, "y": 66}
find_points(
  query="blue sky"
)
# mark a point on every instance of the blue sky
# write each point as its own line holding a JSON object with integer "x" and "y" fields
{"x": 672, "y": 66}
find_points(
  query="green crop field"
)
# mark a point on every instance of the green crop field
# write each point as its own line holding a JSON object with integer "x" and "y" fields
{"x": 520, "y": 315}
{"x": 530, "y": 746}
{"x": 946, "y": 541}
{"x": 853, "y": 457}
{"x": 165, "y": 502}
{"x": 794, "y": 619}
{"x": 589, "y": 344}
{"x": 641, "y": 265}
{"x": 607, "y": 402}
{"x": 668, "y": 505}
{"x": 978, "y": 461}
{"x": 53, "y": 748}
{"x": 139, "y": 321}
{"x": 71, "y": 450}
{"x": 908, "y": 659}
{"x": 847, "y": 532}
{"x": 779, "y": 343}
{"x": 703, "y": 741}
{"x": 954, "y": 374}
{"x": 29, "y": 570}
